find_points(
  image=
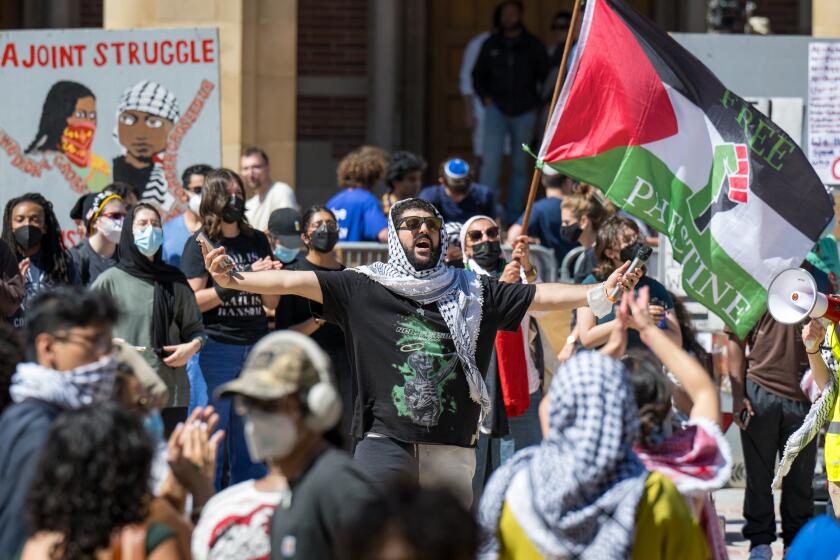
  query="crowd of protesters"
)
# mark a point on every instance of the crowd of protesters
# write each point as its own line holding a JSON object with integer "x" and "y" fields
{"x": 245, "y": 395}
{"x": 220, "y": 385}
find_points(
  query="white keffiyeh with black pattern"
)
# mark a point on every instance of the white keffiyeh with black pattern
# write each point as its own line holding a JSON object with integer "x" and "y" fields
{"x": 458, "y": 294}
{"x": 584, "y": 480}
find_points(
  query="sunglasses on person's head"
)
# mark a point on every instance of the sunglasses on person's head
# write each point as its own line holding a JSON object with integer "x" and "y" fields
{"x": 414, "y": 223}
{"x": 476, "y": 234}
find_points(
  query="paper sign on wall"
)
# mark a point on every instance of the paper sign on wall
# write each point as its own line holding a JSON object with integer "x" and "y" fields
{"x": 824, "y": 110}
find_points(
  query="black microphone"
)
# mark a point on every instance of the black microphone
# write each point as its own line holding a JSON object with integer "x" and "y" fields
{"x": 642, "y": 256}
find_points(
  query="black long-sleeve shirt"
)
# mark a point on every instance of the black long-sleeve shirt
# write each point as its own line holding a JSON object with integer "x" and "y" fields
{"x": 510, "y": 72}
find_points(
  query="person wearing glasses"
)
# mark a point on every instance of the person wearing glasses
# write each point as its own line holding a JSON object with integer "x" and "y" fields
{"x": 68, "y": 344}
{"x": 103, "y": 220}
{"x": 320, "y": 235}
{"x": 178, "y": 230}
{"x": 420, "y": 335}
{"x": 514, "y": 377}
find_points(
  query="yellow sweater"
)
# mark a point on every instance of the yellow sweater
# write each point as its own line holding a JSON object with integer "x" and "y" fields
{"x": 665, "y": 528}
{"x": 832, "y": 436}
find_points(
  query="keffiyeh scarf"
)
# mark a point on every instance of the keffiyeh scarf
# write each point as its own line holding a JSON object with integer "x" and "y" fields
{"x": 458, "y": 294}
{"x": 86, "y": 385}
{"x": 698, "y": 461}
{"x": 586, "y": 481}
{"x": 818, "y": 416}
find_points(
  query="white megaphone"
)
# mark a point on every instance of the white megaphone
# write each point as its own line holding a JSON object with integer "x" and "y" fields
{"x": 793, "y": 297}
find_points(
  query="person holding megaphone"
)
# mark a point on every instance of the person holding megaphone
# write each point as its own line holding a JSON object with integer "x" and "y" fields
{"x": 813, "y": 335}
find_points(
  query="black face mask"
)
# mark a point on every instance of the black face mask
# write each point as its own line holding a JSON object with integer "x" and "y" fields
{"x": 629, "y": 252}
{"x": 457, "y": 263}
{"x": 28, "y": 236}
{"x": 234, "y": 210}
{"x": 487, "y": 254}
{"x": 571, "y": 233}
{"x": 323, "y": 240}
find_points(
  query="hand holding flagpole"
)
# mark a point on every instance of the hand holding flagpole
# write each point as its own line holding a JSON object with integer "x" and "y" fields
{"x": 535, "y": 179}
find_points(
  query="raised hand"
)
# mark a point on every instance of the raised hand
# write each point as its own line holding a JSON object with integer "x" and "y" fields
{"x": 626, "y": 279}
{"x": 813, "y": 334}
{"x": 219, "y": 265}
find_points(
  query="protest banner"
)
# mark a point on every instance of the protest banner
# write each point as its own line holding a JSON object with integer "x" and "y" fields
{"x": 89, "y": 107}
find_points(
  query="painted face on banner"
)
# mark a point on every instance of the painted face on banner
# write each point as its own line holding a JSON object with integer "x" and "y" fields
{"x": 142, "y": 134}
{"x": 77, "y": 137}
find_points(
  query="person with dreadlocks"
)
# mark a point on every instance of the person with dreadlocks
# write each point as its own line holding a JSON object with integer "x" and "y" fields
{"x": 102, "y": 217}
{"x": 146, "y": 113}
{"x": 31, "y": 229}
{"x": 68, "y": 125}
{"x": 419, "y": 334}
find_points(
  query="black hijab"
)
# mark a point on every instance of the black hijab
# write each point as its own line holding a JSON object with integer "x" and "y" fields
{"x": 163, "y": 276}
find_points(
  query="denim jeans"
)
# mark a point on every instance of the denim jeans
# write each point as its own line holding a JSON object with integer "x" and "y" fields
{"x": 520, "y": 129}
{"x": 198, "y": 387}
{"x": 524, "y": 430}
{"x": 221, "y": 363}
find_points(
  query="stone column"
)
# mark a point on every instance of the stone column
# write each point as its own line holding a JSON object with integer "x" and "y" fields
{"x": 825, "y": 20}
{"x": 257, "y": 66}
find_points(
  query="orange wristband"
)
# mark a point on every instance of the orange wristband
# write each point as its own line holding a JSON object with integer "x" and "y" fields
{"x": 609, "y": 297}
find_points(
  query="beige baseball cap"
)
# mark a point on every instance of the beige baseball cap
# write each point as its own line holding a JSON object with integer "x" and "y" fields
{"x": 129, "y": 358}
{"x": 281, "y": 363}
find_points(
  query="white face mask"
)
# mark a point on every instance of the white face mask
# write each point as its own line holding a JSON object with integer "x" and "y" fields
{"x": 194, "y": 202}
{"x": 269, "y": 435}
{"x": 110, "y": 229}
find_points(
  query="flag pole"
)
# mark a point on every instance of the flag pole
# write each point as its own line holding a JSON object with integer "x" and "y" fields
{"x": 535, "y": 179}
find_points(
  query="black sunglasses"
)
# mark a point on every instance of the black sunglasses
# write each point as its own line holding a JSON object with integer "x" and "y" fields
{"x": 414, "y": 223}
{"x": 476, "y": 235}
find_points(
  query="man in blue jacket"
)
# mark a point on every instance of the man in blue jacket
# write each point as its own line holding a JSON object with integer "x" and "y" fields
{"x": 68, "y": 343}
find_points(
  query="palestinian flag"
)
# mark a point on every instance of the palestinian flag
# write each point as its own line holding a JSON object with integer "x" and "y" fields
{"x": 643, "y": 120}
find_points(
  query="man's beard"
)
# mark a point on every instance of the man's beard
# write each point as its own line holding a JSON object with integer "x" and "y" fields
{"x": 412, "y": 259}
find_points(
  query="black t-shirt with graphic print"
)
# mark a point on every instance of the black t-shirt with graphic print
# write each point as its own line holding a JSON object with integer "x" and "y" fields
{"x": 241, "y": 319}
{"x": 411, "y": 384}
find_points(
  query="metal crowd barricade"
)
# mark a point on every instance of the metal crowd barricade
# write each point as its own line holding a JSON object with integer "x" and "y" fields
{"x": 570, "y": 264}
{"x": 357, "y": 253}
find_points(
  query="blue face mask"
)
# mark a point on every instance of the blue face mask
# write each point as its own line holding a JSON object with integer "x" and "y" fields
{"x": 154, "y": 426}
{"x": 285, "y": 255}
{"x": 148, "y": 239}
